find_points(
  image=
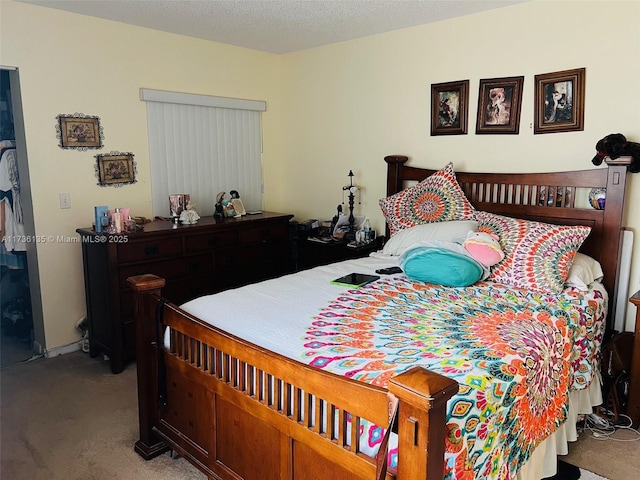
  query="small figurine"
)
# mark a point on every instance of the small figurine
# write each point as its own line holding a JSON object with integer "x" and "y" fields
{"x": 238, "y": 206}
{"x": 229, "y": 211}
{"x": 189, "y": 216}
{"x": 219, "y": 211}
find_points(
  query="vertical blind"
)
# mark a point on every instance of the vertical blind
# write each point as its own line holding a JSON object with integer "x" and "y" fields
{"x": 203, "y": 145}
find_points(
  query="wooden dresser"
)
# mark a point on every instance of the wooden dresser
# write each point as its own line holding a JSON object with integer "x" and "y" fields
{"x": 633, "y": 403}
{"x": 208, "y": 257}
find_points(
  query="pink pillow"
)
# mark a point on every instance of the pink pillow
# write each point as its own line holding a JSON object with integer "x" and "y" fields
{"x": 538, "y": 255}
{"x": 438, "y": 198}
{"x": 484, "y": 247}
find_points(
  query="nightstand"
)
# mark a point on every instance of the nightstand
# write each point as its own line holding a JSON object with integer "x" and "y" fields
{"x": 312, "y": 253}
{"x": 633, "y": 403}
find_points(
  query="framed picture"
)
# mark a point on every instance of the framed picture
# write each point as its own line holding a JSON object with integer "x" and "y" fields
{"x": 79, "y": 131}
{"x": 115, "y": 169}
{"x": 449, "y": 108}
{"x": 559, "y": 101}
{"x": 499, "y": 103}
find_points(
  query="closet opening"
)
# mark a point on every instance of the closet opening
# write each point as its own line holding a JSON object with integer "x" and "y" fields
{"x": 21, "y": 324}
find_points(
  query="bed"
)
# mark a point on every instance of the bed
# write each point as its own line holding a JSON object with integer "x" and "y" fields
{"x": 302, "y": 394}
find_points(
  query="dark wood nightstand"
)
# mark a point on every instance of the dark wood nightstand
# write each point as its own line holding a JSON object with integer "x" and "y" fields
{"x": 633, "y": 403}
{"x": 311, "y": 253}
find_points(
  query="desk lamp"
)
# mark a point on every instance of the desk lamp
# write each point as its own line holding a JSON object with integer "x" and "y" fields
{"x": 350, "y": 234}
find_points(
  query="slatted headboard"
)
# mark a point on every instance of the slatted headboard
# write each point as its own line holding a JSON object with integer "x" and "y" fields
{"x": 531, "y": 196}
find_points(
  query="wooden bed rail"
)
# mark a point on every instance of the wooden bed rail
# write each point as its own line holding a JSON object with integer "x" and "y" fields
{"x": 235, "y": 409}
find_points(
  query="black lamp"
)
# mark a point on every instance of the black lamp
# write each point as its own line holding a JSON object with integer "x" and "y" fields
{"x": 350, "y": 234}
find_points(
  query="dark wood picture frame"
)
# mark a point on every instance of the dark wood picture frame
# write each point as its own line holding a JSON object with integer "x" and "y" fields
{"x": 115, "y": 169}
{"x": 559, "y": 101}
{"x": 449, "y": 108}
{"x": 499, "y": 102}
{"x": 79, "y": 131}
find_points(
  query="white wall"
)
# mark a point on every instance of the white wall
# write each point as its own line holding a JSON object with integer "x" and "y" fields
{"x": 329, "y": 109}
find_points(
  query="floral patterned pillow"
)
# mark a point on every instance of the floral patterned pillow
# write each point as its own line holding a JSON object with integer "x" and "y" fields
{"x": 538, "y": 255}
{"x": 437, "y": 198}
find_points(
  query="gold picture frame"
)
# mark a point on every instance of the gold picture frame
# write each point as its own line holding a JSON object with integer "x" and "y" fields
{"x": 499, "y": 101}
{"x": 79, "y": 131}
{"x": 559, "y": 101}
{"x": 449, "y": 108}
{"x": 115, "y": 169}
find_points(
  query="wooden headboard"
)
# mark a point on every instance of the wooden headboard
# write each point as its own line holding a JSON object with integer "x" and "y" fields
{"x": 544, "y": 197}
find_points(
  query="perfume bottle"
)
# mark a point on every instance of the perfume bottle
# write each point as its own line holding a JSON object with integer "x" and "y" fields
{"x": 104, "y": 222}
{"x": 117, "y": 220}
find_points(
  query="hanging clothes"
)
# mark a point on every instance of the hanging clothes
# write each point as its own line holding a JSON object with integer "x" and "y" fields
{"x": 11, "y": 215}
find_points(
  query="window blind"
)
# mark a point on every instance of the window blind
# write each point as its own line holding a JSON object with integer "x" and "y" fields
{"x": 201, "y": 148}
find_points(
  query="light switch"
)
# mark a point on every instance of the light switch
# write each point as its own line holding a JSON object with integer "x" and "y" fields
{"x": 65, "y": 200}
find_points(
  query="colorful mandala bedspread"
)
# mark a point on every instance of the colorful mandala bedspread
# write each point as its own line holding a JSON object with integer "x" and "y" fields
{"x": 516, "y": 355}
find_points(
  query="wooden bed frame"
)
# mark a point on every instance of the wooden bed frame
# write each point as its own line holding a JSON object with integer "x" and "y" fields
{"x": 238, "y": 411}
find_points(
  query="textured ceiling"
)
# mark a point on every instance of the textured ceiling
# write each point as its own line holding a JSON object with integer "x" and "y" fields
{"x": 276, "y": 26}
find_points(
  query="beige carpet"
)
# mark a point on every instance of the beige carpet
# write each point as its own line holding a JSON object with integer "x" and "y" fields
{"x": 616, "y": 457}
{"x": 69, "y": 418}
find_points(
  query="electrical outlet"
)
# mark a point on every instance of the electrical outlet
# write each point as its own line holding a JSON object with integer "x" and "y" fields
{"x": 65, "y": 200}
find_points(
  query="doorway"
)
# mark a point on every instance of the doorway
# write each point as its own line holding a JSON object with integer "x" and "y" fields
{"x": 22, "y": 329}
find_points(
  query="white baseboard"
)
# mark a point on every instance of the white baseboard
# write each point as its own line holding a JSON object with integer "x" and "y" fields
{"x": 63, "y": 350}
{"x": 39, "y": 349}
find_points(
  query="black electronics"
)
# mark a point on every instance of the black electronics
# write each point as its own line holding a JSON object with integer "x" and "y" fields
{"x": 309, "y": 225}
{"x": 389, "y": 270}
{"x": 355, "y": 280}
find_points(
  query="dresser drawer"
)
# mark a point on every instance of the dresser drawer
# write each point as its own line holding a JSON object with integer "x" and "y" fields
{"x": 149, "y": 250}
{"x": 263, "y": 233}
{"x": 210, "y": 241}
{"x": 183, "y": 266}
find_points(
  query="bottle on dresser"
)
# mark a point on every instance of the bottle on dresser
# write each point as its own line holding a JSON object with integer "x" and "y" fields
{"x": 117, "y": 219}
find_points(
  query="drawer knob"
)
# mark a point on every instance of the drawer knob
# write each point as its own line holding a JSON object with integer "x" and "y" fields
{"x": 152, "y": 250}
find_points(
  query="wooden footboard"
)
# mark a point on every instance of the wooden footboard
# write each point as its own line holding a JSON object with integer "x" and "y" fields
{"x": 236, "y": 410}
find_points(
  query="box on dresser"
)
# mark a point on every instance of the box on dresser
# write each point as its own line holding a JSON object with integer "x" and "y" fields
{"x": 208, "y": 257}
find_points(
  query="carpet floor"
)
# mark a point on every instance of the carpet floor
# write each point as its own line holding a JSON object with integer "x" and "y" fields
{"x": 70, "y": 418}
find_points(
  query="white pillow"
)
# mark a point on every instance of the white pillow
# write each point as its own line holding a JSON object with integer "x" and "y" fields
{"x": 584, "y": 271}
{"x": 453, "y": 231}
